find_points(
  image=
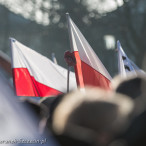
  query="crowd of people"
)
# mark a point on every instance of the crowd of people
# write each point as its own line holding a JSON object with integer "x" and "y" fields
{"x": 89, "y": 117}
{"x": 97, "y": 117}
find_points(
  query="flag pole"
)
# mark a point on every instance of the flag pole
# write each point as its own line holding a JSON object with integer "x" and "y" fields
{"x": 68, "y": 72}
{"x": 118, "y": 55}
{"x": 54, "y": 58}
{"x": 69, "y": 31}
{"x": 70, "y": 60}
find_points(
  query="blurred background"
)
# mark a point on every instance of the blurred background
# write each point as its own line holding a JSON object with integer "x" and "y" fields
{"x": 42, "y": 26}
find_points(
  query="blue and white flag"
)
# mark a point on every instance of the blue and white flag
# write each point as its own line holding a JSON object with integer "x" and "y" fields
{"x": 125, "y": 65}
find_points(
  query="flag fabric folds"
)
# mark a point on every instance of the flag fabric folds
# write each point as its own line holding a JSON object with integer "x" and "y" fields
{"x": 89, "y": 69}
{"x": 36, "y": 75}
{"x": 125, "y": 65}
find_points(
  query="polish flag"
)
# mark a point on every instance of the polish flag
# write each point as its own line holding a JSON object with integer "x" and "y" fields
{"x": 36, "y": 75}
{"x": 89, "y": 69}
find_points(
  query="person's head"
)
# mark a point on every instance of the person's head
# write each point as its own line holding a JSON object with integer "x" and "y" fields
{"x": 95, "y": 113}
{"x": 132, "y": 86}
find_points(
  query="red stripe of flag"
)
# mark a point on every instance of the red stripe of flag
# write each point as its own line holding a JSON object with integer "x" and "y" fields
{"x": 26, "y": 85}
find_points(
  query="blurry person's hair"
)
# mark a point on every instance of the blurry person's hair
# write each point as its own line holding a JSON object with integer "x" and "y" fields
{"x": 98, "y": 112}
{"x": 135, "y": 135}
{"x": 50, "y": 104}
{"x": 133, "y": 85}
{"x": 46, "y": 103}
{"x": 47, "y": 106}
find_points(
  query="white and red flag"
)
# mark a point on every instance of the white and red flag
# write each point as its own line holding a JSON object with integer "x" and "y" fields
{"x": 89, "y": 69}
{"x": 36, "y": 75}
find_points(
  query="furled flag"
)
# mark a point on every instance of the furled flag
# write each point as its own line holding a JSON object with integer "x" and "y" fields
{"x": 89, "y": 69}
{"x": 125, "y": 65}
{"x": 36, "y": 75}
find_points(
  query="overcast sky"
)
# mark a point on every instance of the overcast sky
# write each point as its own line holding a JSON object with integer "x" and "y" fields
{"x": 15, "y": 6}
